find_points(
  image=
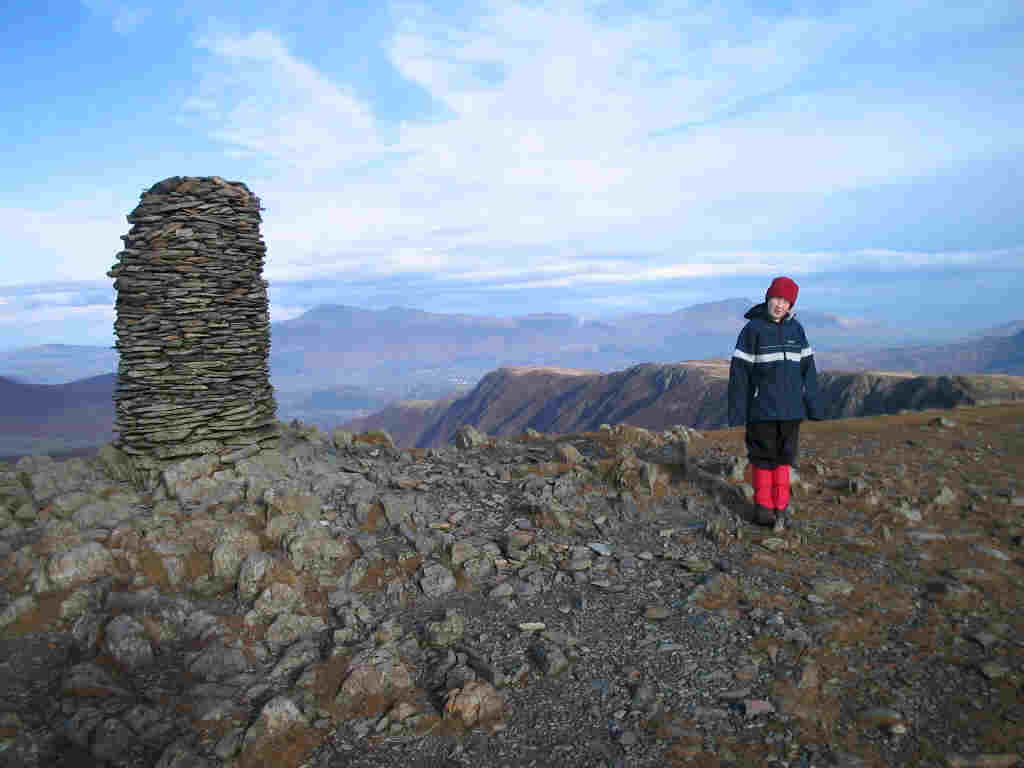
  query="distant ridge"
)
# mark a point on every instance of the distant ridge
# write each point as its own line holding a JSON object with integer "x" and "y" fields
{"x": 508, "y": 401}
{"x": 996, "y": 354}
{"x": 57, "y": 363}
{"x": 56, "y": 417}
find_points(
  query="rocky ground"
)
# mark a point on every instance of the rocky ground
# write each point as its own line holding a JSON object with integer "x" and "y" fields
{"x": 575, "y": 600}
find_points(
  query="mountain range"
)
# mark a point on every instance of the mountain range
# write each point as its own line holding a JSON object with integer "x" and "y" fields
{"x": 338, "y": 364}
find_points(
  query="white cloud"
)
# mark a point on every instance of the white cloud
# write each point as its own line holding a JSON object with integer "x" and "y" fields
{"x": 634, "y": 134}
{"x": 78, "y": 240}
{"x": 280, "y": 313}
{"x": 268, "y": 101}
{"x": 57, "y": 324}
{"x": 56, "y": 312}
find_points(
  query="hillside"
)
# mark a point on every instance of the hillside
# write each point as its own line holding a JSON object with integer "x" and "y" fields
{"x": 508, "y": 401}
{"x": 554, "y": 600}
{"x": 987, "y": 354}
{"x": 55, "y": 417}
{"x": 405, "y": 421}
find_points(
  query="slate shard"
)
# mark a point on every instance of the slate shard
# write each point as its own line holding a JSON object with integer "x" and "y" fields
{"x": 192, "y": 325}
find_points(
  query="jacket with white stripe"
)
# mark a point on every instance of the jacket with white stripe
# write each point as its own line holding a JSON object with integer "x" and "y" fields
{"x": 772, "y": 376}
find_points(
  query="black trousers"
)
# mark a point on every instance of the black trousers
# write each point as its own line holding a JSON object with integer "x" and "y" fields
{"x": 771, "y": 443}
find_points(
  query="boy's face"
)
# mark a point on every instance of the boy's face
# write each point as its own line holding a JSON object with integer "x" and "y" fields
{"x": 778, "y": 308}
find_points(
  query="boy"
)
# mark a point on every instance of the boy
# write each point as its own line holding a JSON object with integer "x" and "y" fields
{"x": 773, "y": 386}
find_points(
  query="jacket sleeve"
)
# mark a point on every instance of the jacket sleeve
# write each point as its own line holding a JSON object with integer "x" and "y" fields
{"x": 740, "y": 373}
{"x": 809, "y": 374}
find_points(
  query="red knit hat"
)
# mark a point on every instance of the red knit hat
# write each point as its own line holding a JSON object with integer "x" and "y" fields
{"x": 784, "y": 288}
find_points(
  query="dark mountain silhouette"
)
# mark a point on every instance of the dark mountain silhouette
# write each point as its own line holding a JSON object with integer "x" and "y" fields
{"x": 405, "y": 421}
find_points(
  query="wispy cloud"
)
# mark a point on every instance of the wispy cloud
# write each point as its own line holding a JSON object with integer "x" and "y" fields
{"x": 79, "y": 239}
{"x": 664, "y": 135}
{"x": 265, "y": 100}
{"x": 74, "y": 313}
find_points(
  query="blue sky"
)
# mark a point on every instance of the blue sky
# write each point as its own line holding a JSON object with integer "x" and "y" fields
{"x": 504, "y": 158}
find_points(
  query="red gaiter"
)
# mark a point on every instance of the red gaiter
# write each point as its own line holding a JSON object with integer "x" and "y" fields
{"x": 763, "y": 480}
{"x": 780, "y": 486}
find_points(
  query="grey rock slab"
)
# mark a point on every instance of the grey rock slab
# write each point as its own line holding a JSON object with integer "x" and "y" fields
{"x": 234, "y": 544}
{"x": 216, "y": 709}
{"x": 142, "y": 719}
{"x": 313, "y": 548}
{"x": 448, "y": 631}
{"x": 217, "y": 662}
{"x": 276, "y": 599}
{"x": 464, "y": 550}
{"x": 112, "y": 739}
{"x": 182, "y": 755}
{"x": 278, "y": 716}
{"x": 252, "y": 574}
{"x": 296, "y": 657}
{"x": 374, "y": 672}
{"x": 503, "y": 590}
{"x": 437, "y": 580}
{"x": 289, "y": 627}
{"x": 88, "y": 679}
{"x": 103, "y": 514}
{"x": 79, "y": 565}
{"x": 20, "y": 607}
{"x": 80, "y": 727}
{"x": 478, "y": 569}
{"x": 230, "y": 744}
{"x": 398, "y": 508}
{"x": 67, "y": 504}
{"x": 125, "y": 639}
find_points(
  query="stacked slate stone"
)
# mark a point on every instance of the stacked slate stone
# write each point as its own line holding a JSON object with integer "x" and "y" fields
{"x": 192, "y": 325}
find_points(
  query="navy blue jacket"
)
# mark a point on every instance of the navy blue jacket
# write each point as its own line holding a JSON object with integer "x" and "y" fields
{"x": 772, "y": 375}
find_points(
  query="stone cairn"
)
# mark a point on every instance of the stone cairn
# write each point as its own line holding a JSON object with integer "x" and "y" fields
{"x": 192, "y": 326}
